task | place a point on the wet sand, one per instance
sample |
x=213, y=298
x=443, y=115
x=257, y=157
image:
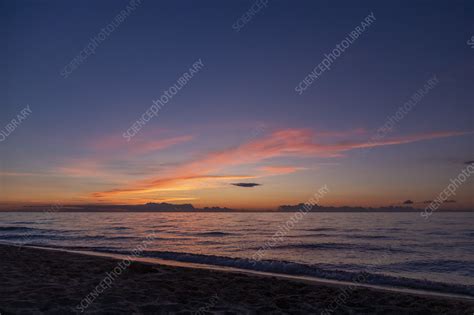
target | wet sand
x=35, y=281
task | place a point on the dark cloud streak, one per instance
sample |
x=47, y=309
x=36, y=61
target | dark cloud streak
x=247, y=185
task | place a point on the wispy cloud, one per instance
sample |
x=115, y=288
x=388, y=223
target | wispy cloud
x=138, y=146
x=110, y=155
x=184, y=183
x=279, y=170
x=286, y=142
x=81, y=167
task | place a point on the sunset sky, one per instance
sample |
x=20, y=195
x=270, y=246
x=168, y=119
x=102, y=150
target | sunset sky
x=238, y=119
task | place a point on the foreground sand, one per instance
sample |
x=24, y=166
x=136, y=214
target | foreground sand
x=53, y=282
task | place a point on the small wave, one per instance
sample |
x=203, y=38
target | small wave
x=370, y=237
x=118, y=228
x=214, y=233
x=310, y=235
x=24, y=222
x=283, y=267
x=16, y=229
x=207, y=243
x=100, y=237
x=321, y=229
x=27, y=230
x=339, y=246
x=26, y=238
x=442, y=266
x=438, y=233
x=385, y=229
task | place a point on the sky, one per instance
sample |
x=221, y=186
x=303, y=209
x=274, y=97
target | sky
x=238, y=119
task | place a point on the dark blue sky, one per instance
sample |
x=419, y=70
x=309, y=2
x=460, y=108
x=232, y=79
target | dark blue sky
x=249, y=77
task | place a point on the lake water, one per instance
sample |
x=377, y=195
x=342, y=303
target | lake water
x=395, y=249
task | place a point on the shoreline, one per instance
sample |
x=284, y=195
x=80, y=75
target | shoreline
x=56, y=281
x=340, y=284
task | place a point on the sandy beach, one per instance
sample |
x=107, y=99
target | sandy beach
x=35, y=281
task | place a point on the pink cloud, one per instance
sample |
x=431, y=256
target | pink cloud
x=136, y=146
x=81, y=167
x=286, y=142
x=279, y=170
